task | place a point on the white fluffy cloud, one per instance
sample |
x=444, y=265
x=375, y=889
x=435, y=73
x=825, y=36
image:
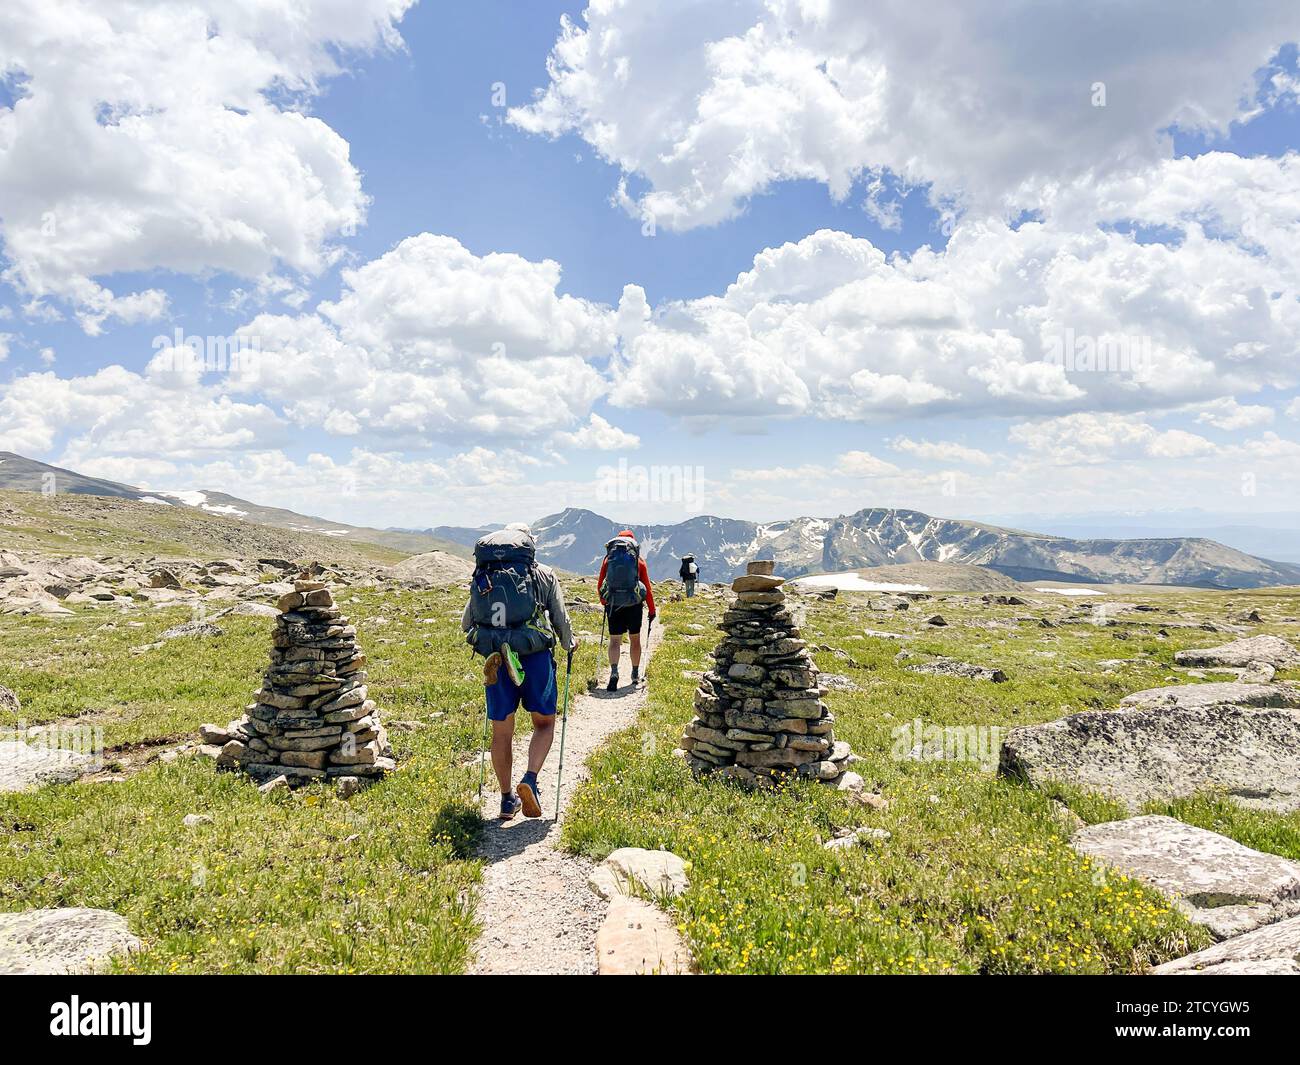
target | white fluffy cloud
x=426, y=344
x=1073, y=312
x=941, y=451
x=1228, y=414
x=1085, y=439
x=599, y=435
x=711, y=104
x=851, y=465
x=116, y=413
x=150, y=134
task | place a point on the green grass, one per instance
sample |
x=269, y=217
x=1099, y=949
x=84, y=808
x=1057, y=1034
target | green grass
x=69, y=524
x=292, y=882
x=977, y=877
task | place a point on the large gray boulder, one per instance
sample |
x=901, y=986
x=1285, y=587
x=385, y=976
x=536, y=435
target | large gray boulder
x=1168, y=747
x=1216, y=693
x=24, y=766
x=433, y=569
x=661, y=873
x=1268, y=951
x=1214, y=880
x=55, y=942
x=1241, y=653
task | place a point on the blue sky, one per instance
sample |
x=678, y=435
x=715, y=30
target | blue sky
x=853, y=369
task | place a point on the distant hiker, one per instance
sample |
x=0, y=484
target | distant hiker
x=689, y=574
x=514, y=613
x=624, y=585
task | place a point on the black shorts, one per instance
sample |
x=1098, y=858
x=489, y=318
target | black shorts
x=626, y=619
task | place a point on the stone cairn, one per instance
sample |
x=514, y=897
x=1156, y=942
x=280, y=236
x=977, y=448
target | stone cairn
x=759, y=711
x=312, y=718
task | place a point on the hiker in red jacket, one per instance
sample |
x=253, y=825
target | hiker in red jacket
x=624, y=586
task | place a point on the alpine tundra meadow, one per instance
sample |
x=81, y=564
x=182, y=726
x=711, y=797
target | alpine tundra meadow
x=681, y=488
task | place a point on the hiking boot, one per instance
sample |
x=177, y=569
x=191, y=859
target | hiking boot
x=613, y=680
x=531, y=795
x=509, y=806
x=491, y=665
x=636, y=671
x=514, y=668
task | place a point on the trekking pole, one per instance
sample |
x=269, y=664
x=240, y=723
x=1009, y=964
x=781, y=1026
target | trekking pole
x=650, y=624
x=564, y=725
x=482, y=753
x=604, y=616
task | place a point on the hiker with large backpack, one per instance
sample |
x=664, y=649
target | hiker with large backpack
x=513, y=618
x=626, y=595
x=689, y=573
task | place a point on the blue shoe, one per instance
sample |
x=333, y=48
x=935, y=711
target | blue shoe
x=531, y=795
x=509, y=807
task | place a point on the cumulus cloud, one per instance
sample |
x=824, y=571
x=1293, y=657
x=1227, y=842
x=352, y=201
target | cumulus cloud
x=1086, y=439
x=1071, y=312
x=863, y=464
x=599, y=435
x=115, y=412
x=428, y=343
x=173, y=136
x=941, y=451
x=711, y=104
x=850, y=465
x=1228, y=414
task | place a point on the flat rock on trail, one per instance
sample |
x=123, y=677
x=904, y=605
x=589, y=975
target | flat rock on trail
x=534, y=906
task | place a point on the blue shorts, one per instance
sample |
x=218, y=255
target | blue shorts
x=537, y=693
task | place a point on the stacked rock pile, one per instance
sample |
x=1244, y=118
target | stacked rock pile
x=759, y=712
x=312, y=718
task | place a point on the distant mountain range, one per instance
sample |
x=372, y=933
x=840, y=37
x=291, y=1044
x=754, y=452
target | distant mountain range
x=27, y=475
x=575, y=540
x=1268, y=534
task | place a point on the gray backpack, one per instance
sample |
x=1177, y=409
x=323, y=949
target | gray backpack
x=505, y=596
x=623, y=585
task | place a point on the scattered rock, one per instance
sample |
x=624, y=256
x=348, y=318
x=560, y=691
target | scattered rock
x=164, y=578
x=24, y=766
x=1270, y=950
x=1216, y=693
x=346, y=787
x=937, y=620
x=255, y=610
x=280, y=783
x=636, y=939
x=661, y=873
x=215, y=734
x=194, y=820
x=950, y=667
x=1270, y=649
x=879, y=635
x=1216, y=881
x=837, y=682
x=1257, y=673
x=9, y=703
x=192, y=628
x=60, y=941
x=851, y=838
x=433, y=569
x=1169, y=743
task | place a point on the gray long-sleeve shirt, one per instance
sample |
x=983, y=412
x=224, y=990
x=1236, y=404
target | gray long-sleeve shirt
x=552, y=606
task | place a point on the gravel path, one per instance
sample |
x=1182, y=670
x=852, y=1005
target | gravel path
x=536, y=911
